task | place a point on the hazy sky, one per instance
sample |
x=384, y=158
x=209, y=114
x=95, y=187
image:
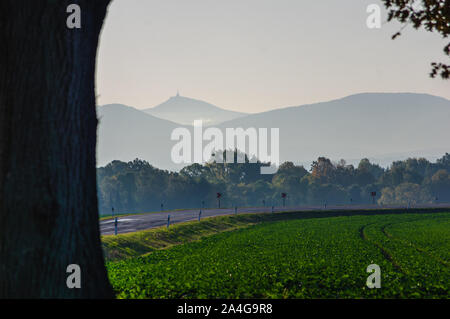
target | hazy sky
x=256, y=55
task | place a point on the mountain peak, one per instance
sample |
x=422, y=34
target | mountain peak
x=178, y=98
x=185, y=111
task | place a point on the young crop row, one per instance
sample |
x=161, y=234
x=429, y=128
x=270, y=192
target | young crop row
x=309, y=258
x=430, y=235
x=415, y=254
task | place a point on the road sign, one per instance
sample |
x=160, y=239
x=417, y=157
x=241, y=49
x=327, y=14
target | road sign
x=373, y=194
x=219, y=195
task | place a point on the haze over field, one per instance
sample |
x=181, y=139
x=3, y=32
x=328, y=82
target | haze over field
x=381, y=126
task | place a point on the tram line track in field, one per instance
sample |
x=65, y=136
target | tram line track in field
x=408, y=243
x=384, y=252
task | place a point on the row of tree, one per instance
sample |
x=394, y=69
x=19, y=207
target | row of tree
x=137, y=186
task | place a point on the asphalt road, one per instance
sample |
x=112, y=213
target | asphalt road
x=132, y=223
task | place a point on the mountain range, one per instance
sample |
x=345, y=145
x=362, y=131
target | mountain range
x=381, y=126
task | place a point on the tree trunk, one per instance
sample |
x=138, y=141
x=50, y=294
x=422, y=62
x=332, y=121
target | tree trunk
x=48, y=123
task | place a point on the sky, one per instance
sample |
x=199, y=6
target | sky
x=257, y=55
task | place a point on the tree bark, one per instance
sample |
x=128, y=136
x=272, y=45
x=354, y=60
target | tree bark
x=48, y=123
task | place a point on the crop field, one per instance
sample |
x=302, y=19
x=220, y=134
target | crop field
x=304, y=258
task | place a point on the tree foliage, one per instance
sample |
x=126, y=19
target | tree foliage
x=432, y=15
x=139, y=187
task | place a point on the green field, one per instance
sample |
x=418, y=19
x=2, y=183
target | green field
x=300, y=258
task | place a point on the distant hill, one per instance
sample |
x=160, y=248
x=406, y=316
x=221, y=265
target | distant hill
x=183, y=110
x=374, y=125
x=380, y=126
x=126, y=133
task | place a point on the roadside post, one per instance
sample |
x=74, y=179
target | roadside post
x=218, y=195
x=235, y=210
x=283, y=196
x=273, y=209
x=168, y=221
x=373, y=194
x=115, y=226
x=199, y=215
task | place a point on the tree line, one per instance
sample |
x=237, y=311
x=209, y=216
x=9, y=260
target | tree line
x=137, y=186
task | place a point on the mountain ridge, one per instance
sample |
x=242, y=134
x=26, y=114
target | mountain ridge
x=366, y=125
x=316, y=104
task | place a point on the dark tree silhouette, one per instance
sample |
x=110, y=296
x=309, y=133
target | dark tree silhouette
x=433, y=15
x=48, y=199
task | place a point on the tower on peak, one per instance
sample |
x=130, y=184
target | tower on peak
x=178, y=93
